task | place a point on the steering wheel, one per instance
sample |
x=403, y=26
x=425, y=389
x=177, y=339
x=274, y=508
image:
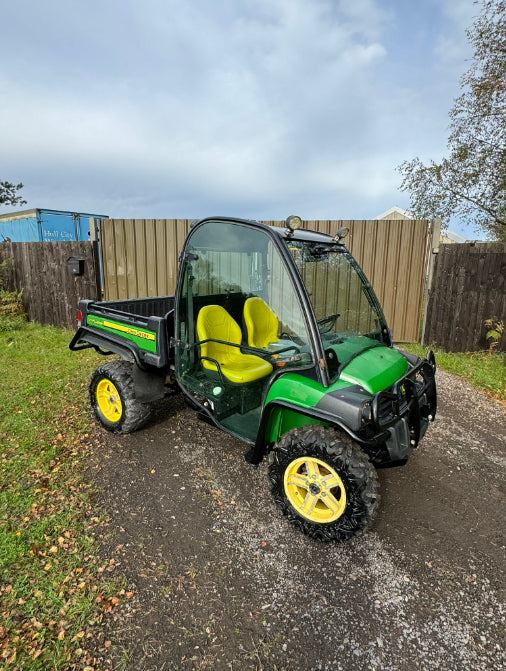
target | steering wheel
x=330, y=320
x=290, y=348
x=287, y=336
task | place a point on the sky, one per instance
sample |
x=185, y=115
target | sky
x=248, y=108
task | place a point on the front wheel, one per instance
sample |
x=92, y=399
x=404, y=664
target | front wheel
x=112, y=398
x=324, y=483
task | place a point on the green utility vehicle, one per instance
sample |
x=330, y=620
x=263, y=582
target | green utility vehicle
x=275, y=336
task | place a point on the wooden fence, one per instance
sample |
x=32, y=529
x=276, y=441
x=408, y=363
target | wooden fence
x=468, y=287
x=140, y=258
x=50, y=291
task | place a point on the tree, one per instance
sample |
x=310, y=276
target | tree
x=8, y=194
x=471, y=183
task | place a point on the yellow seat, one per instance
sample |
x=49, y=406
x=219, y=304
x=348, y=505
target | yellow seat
x=214, y=323
x=261, y=323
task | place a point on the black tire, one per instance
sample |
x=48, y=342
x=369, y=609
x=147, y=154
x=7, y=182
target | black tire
x=112, y=398
x=343, y=475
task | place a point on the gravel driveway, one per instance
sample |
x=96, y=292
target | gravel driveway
x=222, y=581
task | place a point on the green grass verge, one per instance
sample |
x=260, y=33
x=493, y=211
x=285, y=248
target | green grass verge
x=54, y=589
x=486, y=372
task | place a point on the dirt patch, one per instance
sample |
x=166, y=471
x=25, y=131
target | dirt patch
x=222, y=581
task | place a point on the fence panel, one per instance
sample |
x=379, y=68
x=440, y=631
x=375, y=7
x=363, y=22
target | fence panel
x=394, y=255
x=468, y=287
x=140, y=258
x=50, y=292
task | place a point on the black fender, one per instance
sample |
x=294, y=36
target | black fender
x=260, y=449
x=149, y=383
x=85, y=338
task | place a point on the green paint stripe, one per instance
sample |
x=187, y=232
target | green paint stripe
x=143, y=338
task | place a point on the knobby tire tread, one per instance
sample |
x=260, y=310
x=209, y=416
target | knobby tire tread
x=348, y=459
x=135, y=413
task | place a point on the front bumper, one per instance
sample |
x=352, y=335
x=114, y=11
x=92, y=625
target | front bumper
x=406, y=408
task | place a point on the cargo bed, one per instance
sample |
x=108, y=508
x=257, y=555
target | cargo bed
x=138, y=329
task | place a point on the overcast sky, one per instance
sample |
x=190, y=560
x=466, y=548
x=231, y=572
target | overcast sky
x=253, y=108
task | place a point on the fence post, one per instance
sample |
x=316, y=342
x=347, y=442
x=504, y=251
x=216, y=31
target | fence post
x=93, y=229
x=434, y=249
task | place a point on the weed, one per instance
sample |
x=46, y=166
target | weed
x=495, y=330
x=12, y=312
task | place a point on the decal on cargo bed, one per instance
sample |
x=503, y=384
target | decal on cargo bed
x=143, y=338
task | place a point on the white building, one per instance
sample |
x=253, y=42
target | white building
x=398, y=213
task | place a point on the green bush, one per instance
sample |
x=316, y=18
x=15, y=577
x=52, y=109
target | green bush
x=12, y=312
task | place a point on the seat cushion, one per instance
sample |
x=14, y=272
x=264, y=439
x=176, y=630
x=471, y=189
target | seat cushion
x=214, y=322
x=261, y=323
x=245, y=368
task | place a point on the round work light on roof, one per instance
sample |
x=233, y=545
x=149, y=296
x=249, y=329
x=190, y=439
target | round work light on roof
x=293, y=223
x=341, y=233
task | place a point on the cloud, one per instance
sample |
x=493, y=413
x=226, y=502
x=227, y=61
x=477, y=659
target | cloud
x=452, y=46
x=176, y=109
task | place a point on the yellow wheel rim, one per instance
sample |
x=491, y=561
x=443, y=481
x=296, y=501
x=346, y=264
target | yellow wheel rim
x=315, y=490
x=109, y=401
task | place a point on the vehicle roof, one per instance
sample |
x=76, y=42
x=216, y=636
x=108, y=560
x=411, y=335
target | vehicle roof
x=301, y=234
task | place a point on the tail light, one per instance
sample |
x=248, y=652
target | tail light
x=79, y=317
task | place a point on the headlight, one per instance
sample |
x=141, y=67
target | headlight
x=366, y=413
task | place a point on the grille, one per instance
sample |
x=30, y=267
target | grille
x=386, y=410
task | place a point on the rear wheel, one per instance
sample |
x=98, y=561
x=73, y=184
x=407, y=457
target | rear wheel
x=324, y=483
x=112, y=397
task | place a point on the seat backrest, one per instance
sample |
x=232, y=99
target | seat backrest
x=261, y=323
x=215, y=322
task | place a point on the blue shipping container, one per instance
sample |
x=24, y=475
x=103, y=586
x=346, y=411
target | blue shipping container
x=40, y=225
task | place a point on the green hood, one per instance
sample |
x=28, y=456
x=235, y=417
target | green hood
x=374, y=369
x=371, y=366
x=366, y=365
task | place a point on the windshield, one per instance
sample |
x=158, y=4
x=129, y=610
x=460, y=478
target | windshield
x=343, y=302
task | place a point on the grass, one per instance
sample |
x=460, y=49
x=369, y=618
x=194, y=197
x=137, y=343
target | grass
x=486, y=372
x=53, y=589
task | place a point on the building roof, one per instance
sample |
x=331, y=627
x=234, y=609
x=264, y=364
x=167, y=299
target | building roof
x=455, y=237
x=398, y=213
x=35, y=211
x=395, y=211
x=20, y=214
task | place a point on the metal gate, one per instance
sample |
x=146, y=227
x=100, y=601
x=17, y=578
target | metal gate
x=140, y=257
